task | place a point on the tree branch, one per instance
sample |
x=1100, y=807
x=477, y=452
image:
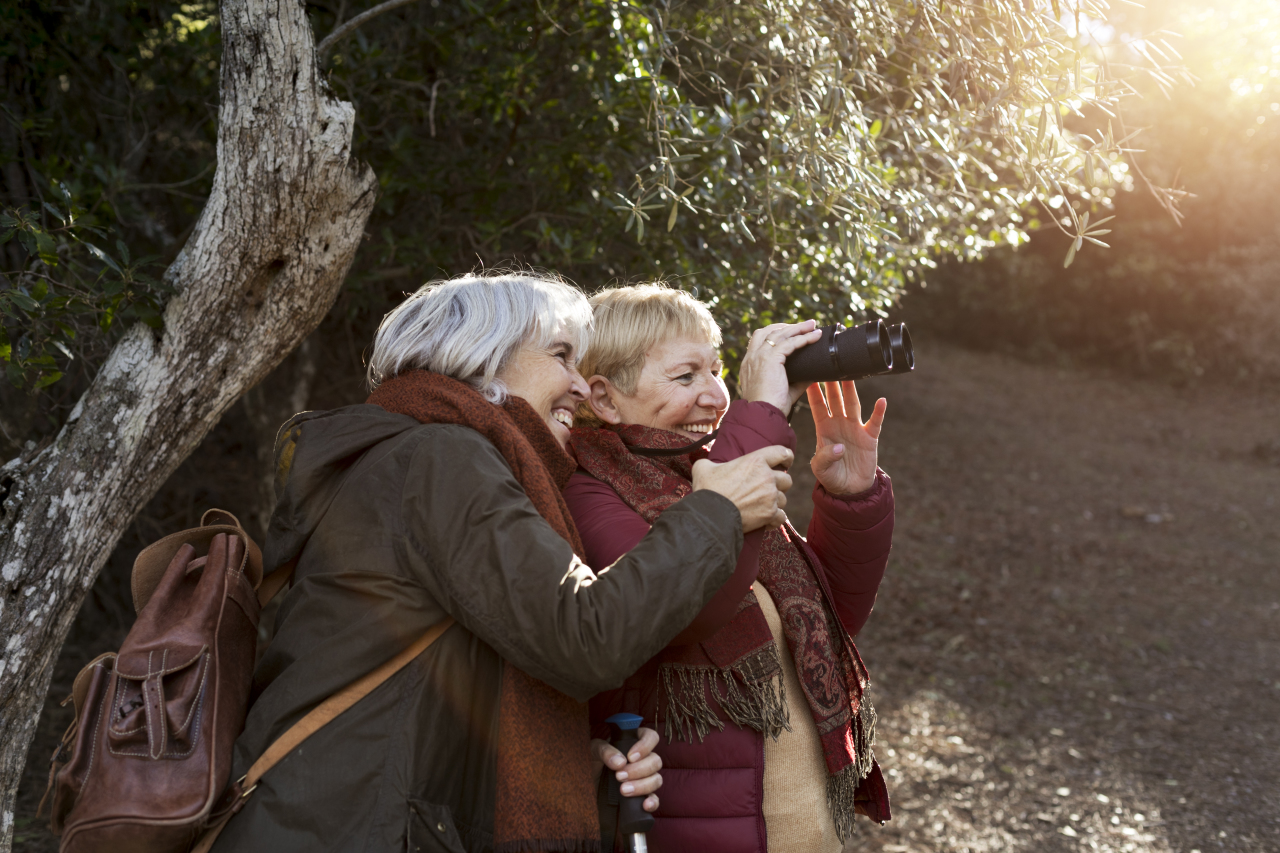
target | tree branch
x=344, y=30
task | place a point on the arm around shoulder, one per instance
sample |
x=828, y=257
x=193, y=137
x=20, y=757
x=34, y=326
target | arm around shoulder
x=476, y=542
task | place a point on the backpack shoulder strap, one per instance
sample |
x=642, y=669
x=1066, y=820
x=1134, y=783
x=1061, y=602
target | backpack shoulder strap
x=315, y=720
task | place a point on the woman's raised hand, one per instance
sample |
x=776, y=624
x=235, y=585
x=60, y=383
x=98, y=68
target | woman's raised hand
x=845, y=462
x=638, y=772
x=763, y=377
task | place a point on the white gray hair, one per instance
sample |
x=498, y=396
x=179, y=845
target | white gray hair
x=471, y=326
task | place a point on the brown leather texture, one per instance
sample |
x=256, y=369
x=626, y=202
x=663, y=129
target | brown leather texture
x=150, y=749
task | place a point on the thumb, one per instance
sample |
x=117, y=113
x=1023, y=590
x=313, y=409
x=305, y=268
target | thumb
x=827, y=456
x=775, y=456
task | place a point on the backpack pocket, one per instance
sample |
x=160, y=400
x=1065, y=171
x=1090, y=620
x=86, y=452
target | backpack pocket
x=156, y=707
x=75, y=756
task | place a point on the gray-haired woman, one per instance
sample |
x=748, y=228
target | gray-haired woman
x=441, y=497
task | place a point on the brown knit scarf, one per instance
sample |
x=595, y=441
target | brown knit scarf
x=546, y=794
x=738, y=671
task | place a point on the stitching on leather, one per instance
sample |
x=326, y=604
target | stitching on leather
x=117, y=704
x=198, y=707
x=145, y=715
x=203, y=659
x=204, y=677
x=93, y=748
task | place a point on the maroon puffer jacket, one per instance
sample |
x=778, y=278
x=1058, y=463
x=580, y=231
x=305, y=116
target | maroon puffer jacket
x=713, y=790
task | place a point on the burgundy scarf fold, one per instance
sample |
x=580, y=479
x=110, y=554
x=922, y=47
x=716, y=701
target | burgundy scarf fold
x=546, y=791
x=737, y=672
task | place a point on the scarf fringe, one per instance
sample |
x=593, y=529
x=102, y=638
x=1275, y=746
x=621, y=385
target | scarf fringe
x=842, y=787
x=750, y=691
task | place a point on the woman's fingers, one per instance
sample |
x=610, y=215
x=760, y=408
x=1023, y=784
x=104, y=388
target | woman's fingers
x=789, y=343
x=639, y=771
x=876, y=421
x=647, y=743
x=818, y=405
x=835, y=400
x=852, y=404
x=603, y=752
x=651, y=803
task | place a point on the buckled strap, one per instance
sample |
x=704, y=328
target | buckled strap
x=153, y=708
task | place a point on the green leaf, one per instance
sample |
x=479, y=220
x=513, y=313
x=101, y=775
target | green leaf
x=874, y=130
x=24, y=302
x=671, y=219
x=47, y=248
x=102, y=256
x=48, y=379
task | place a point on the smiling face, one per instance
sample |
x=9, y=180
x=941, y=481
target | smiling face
x=679, y=389
x=548, y=380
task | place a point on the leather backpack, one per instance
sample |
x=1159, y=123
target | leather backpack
x=144, y=766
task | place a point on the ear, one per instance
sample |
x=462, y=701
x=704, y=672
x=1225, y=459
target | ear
x=601, y=400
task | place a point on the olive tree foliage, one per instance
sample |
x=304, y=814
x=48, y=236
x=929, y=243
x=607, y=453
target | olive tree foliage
x=1184, y=301
x=785, y=159
x=854, y=143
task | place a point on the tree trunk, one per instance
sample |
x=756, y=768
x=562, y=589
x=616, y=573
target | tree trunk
x=261, y=269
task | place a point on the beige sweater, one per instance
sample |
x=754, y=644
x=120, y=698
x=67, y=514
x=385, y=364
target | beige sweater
x=796, y=816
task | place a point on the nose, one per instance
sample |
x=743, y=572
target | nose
x=715, y=395
x=578, y=388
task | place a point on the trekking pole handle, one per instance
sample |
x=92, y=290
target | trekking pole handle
x=633, y=820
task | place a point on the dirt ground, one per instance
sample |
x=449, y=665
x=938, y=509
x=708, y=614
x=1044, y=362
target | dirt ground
x=1077, y=645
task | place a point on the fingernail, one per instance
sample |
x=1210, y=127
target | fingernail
x=617, y=761
x=622, y=775
x=628, y=788
x=635, y=756
x=838, y=449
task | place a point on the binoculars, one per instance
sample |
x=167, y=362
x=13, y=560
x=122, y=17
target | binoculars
x=855, y=352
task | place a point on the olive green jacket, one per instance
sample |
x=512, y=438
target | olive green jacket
x=397, y=524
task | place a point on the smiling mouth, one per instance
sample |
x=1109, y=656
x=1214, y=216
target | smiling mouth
x=563, y=416
x=703, y=429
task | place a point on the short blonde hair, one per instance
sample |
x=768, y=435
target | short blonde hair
x=630, y=321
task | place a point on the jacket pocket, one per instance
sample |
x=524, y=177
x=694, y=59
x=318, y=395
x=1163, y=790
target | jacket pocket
x=430, y=829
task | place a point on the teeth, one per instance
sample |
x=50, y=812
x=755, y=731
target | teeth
x=563, y=417
x=696, y=428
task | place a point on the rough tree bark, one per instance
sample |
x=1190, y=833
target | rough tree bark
x=261, y=269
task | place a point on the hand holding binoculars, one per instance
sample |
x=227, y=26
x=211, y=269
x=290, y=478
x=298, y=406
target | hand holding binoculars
x=856, y=352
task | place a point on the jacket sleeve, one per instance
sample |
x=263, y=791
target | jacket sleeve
x=852, y=536
x=609, y=529
x=475, y=541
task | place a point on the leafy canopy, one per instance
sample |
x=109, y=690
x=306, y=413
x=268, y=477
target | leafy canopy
x=783, y=158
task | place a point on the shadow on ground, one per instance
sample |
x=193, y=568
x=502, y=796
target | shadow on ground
x=1077, y=646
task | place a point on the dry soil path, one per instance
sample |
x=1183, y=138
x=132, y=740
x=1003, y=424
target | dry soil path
x=1077, y=646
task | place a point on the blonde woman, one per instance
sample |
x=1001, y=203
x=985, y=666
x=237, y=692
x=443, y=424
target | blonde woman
x=767, y=729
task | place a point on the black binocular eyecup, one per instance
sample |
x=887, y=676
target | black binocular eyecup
x=856, y=352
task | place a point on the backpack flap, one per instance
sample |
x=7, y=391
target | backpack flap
x=154, y=560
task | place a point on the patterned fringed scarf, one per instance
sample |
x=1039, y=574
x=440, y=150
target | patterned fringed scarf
x=738, y=670
x=546, y=792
